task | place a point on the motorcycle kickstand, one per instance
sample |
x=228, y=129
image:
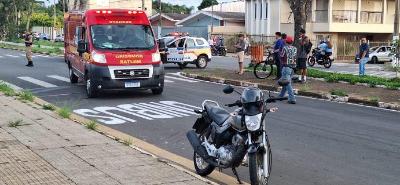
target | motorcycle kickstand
x=237, y=175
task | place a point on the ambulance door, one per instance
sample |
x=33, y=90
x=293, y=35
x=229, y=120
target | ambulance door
x=190, y=50
x=176, y=51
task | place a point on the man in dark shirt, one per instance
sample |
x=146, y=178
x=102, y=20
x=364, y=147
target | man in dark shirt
x=364, y=56
x=279, y=44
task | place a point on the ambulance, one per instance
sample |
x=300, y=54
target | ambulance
x=184, y=50
x=112, y=49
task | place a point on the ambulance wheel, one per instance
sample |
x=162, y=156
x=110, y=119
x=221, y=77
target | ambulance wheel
x=91, y=91
x=182, y=65
x=201, y=62
x=157, y=91
x=72, y=77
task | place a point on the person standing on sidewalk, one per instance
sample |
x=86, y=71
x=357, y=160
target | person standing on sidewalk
x=288, y=61
x=279, y=44
x=28, y=50
x=304, y=50
x=364, y=55
x=240, y=47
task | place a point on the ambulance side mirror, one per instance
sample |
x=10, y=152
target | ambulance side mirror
x=82, y=46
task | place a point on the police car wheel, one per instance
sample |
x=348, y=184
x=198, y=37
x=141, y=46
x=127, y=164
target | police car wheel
x=201, y=62
x=157, y=91
x=90, y=88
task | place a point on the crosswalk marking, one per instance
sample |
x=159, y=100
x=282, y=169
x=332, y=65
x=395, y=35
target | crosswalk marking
x=182, y=79
x=11, y=85
x=37, y=82
x=58, y=78
x=1, y=56
x=168, y=81
x=12, y=56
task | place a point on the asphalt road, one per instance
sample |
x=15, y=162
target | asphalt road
x=313, y=142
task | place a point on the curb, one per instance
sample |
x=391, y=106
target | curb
x=173, y=160
x=333, y=98
x=44, y=53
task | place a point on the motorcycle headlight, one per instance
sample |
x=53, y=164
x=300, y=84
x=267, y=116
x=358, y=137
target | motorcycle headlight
x=253, y=123
x=99, y=58
x=156, y=57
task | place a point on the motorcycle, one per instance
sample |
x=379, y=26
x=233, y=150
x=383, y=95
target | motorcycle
x=218, y=51
x=325, y=60
x=227, y=140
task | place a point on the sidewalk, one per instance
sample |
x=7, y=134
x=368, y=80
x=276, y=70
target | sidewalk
x=45, y=149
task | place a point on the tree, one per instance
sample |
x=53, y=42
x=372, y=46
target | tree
x=301, y=12
x=207, y=3
x=170, y=8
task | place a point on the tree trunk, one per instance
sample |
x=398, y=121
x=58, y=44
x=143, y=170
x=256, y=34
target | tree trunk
x=300, y=9
x=29, y=16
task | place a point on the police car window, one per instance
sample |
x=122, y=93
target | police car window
x=199, y=42
x=382, y=49
x=190, y=43
x=181, y=43
x=174, y=44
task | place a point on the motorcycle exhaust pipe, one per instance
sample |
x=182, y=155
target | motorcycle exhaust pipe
x=196, y=144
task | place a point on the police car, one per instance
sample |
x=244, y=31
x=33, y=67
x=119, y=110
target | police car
x=184, y=50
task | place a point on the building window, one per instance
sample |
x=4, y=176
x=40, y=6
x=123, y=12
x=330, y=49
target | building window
x=266, y=10
x=261, y=10
x=221, y=23
x=255, y=11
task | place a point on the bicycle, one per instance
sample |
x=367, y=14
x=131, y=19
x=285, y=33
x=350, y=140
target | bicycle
x=265, y=68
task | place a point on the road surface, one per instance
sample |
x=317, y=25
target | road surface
x=313, y=142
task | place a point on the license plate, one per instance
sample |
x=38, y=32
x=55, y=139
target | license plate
x=132, y=84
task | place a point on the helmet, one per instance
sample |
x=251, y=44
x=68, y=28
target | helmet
x=253, y=101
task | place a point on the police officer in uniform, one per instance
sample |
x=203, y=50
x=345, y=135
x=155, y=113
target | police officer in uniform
x=28, y=45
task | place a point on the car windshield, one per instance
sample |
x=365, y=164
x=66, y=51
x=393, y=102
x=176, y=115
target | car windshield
x=122, y=37
x=373, y=49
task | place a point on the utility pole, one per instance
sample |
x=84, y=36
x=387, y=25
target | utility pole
x=396, y=35
x=54, y=19
x=212, y=19
x=63, y=6
x=159, y=19
x=143, y=5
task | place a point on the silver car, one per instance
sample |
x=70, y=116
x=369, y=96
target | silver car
x=380, y=54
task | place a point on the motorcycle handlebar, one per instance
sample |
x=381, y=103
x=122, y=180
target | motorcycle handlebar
x=237, y=103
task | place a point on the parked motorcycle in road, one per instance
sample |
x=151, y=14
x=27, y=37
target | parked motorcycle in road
x=325, y=60
x=222, y=140
x=218, y=51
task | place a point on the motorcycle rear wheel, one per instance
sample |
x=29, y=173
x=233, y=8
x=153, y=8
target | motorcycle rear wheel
x=328, y=63
x=311, y=61
x=263, y=70
x=202, y=167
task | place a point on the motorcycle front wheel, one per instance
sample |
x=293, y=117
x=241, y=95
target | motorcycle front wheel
x=223, y=52
x=256, y=163
x=311, y=61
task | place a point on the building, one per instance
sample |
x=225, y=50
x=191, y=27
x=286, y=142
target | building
x=167, y=19
x=233, y=6
x=340, y=21
x=215, y=22
x=145, y=5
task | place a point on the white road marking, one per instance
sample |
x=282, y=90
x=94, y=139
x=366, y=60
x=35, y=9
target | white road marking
x=168, y=81
x=37, y=82
x=59, y=78
x=13, y=56
x=1, y=56
x=182, y=79
x=12, y=86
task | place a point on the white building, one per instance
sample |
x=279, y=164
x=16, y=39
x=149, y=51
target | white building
x=234, y=6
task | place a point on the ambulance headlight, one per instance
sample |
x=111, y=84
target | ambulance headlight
x=99, y=58
x=156, y=57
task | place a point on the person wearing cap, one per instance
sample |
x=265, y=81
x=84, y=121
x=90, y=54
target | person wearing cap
x=288, y=62
x=28, y=50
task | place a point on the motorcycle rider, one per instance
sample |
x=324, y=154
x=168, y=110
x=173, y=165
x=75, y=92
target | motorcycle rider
x=324, y=50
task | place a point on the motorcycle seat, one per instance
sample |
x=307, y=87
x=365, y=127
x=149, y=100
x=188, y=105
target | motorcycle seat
x=217, y=114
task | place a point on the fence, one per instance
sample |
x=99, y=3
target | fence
x=346, y=50
x=231, y=39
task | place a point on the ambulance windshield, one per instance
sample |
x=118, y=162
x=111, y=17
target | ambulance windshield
x=118, y=37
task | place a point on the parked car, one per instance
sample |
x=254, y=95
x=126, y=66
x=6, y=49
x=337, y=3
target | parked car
x=378, y=54
x=43, y=36
x=59, y=38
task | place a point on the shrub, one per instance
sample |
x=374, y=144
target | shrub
x=91, y=125
x=339, y=92
x=26, y=96
x=49, y=107
x=64, y=112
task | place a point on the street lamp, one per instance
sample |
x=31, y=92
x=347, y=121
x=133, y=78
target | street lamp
x=159, y=19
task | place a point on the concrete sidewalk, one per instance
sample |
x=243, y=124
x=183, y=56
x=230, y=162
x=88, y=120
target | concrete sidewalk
x=45, y=149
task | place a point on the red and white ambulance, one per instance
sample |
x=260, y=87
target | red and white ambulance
x=112, y=49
